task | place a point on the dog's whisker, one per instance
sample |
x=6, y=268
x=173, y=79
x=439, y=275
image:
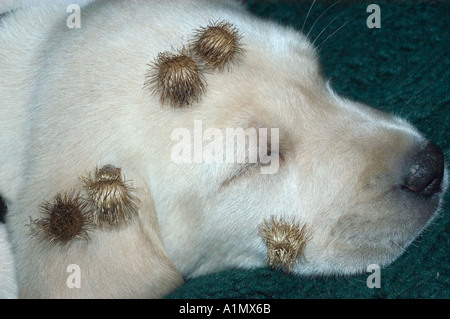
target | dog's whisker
x=413, y=96
x=319, y=47
x=441, y=138
x=420, y=68
x=399, y=246
x=336, y=237
x=323, y=30
x=353, y=281
x=318, y=18
x=307, y=15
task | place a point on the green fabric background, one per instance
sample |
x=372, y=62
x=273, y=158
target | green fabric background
x=403, y=68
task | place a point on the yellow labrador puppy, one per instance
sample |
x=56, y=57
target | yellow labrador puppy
x=146, y=142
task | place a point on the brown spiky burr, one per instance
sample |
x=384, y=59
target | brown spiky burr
x=176, y=78
x=285, y=241
x=218, y=44
x=111, y=196
x=63, y=220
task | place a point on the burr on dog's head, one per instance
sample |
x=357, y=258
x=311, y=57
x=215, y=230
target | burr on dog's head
x=360, y=184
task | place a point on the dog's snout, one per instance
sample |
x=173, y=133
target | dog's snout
x=425, y=175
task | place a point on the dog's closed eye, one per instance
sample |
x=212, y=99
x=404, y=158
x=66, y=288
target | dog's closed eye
x=240, y=171
x=264, y=160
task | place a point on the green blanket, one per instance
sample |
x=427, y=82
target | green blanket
x=402, y=67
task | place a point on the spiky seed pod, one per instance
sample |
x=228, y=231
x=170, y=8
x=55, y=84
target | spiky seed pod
x=285, y=241
x=176, y=78
x=218, y=44
x=112, y=198
x=64, y=219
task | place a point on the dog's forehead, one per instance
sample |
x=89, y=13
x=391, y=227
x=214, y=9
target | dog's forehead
x=287, y=54
x=271, y=76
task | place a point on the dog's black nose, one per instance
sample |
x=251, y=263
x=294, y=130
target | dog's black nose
x=426, y=172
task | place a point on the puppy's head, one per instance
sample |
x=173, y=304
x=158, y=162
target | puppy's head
x=356, y=184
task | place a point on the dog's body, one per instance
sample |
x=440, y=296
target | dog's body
x=73, y=100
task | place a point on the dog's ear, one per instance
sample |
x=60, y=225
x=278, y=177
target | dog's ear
x=107, y=227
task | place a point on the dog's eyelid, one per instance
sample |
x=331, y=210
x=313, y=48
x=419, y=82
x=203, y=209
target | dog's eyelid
x=249, y=166
x=239, y=171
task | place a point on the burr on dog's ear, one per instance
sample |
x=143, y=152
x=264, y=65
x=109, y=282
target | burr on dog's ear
x=63, y=220
x=176, y=78
x=111, y=196
x=218, y=45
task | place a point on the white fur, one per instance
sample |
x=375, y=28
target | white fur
x=8, y=285
x=73, y=99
